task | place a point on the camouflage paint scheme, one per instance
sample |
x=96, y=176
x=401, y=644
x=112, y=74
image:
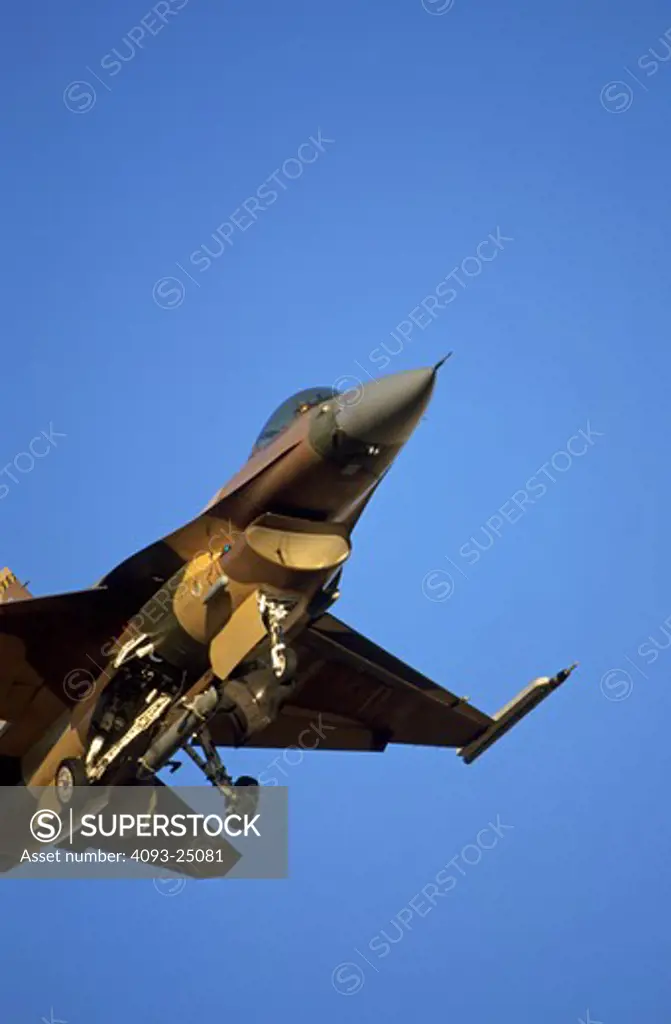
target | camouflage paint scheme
x=193, y=595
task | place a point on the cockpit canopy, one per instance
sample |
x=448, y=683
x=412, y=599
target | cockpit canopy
x=289, y=410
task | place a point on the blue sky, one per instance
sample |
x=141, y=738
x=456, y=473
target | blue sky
x=546, y=127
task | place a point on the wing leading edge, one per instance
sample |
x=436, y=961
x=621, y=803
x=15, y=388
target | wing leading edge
x=357, y=696
x=354, y=695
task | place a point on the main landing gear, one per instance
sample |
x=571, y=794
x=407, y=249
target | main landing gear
x=70, y=774
x=142, y=722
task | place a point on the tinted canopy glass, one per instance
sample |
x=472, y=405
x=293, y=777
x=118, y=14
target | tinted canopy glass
x=289, y=410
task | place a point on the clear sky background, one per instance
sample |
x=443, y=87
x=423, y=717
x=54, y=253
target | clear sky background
x=446, y=128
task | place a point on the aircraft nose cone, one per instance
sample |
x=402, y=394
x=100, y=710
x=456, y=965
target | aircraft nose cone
x=387, y=411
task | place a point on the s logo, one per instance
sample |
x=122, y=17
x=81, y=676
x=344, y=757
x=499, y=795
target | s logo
x=46, y=826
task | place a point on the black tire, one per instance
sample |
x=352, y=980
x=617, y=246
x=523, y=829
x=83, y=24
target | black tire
x=70, y=773
x=246, y=803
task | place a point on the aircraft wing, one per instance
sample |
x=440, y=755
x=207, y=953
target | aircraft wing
x=356, y=696
x=50, y=649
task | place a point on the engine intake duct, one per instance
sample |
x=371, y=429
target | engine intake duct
x=277, y=550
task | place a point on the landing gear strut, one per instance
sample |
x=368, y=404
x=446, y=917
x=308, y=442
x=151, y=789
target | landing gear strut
x=215, y=772
x=143, y=723
x=283, y=660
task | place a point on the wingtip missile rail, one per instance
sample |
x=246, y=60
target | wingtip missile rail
x=513, y=712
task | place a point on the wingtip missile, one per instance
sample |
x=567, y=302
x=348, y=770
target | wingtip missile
x=562, y=676
x=513, y=712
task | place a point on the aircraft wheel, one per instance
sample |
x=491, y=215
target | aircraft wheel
x=247, y=802
x=70, y=773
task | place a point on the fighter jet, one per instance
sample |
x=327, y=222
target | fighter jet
x=220, y=634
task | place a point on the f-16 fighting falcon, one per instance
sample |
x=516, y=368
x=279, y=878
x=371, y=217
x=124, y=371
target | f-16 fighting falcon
x=219, y=635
